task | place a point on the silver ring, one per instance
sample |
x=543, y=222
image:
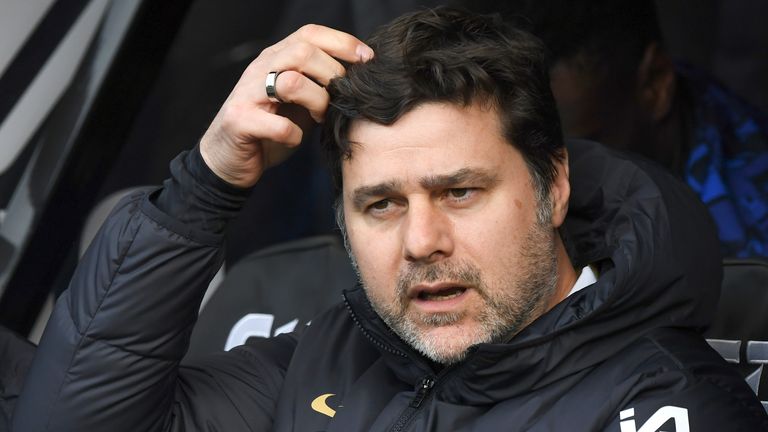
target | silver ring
x=271, y=89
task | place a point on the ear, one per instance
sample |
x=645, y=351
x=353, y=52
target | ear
x=560, y=192
x=656, y=81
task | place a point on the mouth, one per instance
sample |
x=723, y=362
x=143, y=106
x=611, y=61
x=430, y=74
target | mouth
x=436, y=298
x=441, y=295
x=437, y=292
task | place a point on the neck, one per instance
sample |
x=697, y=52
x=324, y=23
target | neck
x=566, y=275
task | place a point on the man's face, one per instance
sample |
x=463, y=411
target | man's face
x=441, y=216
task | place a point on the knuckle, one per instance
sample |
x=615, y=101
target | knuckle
x=302, y=52
x=325, y=99
x=268, y=51
x=265, y=53
x=340, y=71
x=309, y=31
x=290, y=82
x=282, y=131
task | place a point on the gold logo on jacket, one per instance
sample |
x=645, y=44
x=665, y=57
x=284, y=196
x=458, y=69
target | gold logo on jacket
x=320, y=404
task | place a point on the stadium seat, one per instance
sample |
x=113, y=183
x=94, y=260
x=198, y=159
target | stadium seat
x=272, y=291
x=740, y=330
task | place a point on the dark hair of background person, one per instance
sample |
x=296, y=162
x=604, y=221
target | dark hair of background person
x=615, y=82
x=610, y=36
x=447, y=55
x=601, y=77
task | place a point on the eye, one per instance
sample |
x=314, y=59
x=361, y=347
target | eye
x=460, y=194
x=380, y=205
x=381, y=208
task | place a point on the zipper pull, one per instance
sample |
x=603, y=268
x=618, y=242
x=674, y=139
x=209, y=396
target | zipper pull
x=426, y=384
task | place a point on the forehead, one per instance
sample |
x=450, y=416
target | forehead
x=431, y=140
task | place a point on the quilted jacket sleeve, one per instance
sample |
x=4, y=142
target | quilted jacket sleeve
x=110, y=355
x=688, y=385
x=701, y=406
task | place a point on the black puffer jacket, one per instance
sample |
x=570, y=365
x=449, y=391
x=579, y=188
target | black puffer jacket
x=621, y=355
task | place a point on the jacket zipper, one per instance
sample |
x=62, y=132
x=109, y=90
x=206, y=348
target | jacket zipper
x=422, y=393
x=369, y=336
x=426, y=384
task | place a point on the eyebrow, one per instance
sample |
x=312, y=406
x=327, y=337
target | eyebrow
x=363, y=194
x=470, y=176
x=473, y=176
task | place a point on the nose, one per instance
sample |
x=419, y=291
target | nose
x=427, y=234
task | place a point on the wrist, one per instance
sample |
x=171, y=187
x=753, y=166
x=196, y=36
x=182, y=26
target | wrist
x=217, y=165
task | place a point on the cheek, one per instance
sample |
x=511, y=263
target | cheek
x=377, y=256
x=488, y=242
x=494, y=240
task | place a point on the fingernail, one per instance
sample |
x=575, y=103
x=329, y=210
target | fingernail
x=364, y=53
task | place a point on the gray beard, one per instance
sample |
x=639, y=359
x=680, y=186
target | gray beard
x=511, y=306
x=516, y=302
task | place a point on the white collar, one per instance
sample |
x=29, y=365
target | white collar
x=586, y=278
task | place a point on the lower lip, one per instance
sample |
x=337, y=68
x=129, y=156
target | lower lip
x=447, y=305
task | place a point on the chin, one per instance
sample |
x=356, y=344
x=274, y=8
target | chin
x=447, y=344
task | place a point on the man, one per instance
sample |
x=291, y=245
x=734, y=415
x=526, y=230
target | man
x=454, y=184
x=615, y=82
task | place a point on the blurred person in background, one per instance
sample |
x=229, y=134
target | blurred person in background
x=615, y=83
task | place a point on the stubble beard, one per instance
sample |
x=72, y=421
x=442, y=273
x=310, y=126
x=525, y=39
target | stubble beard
x=507, y=305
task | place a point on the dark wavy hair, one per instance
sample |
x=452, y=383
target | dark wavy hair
x=450, y=55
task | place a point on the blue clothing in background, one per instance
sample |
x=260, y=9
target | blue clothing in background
x=728, y=166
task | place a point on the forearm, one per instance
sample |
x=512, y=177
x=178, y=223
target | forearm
x=111, y=350
x=109, y=357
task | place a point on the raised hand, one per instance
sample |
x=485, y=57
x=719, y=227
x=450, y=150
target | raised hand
x=250, y=132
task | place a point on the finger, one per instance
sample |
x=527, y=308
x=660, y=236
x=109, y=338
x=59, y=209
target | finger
x=296, y=88
x=309, y=60
x=282, y=130
x=288, y=137
x=258, y=125
x=338, y=44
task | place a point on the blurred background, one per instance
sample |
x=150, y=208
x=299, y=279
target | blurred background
x=96, y=97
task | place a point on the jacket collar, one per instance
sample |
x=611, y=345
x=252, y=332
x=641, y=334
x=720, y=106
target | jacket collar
x=659, y=266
